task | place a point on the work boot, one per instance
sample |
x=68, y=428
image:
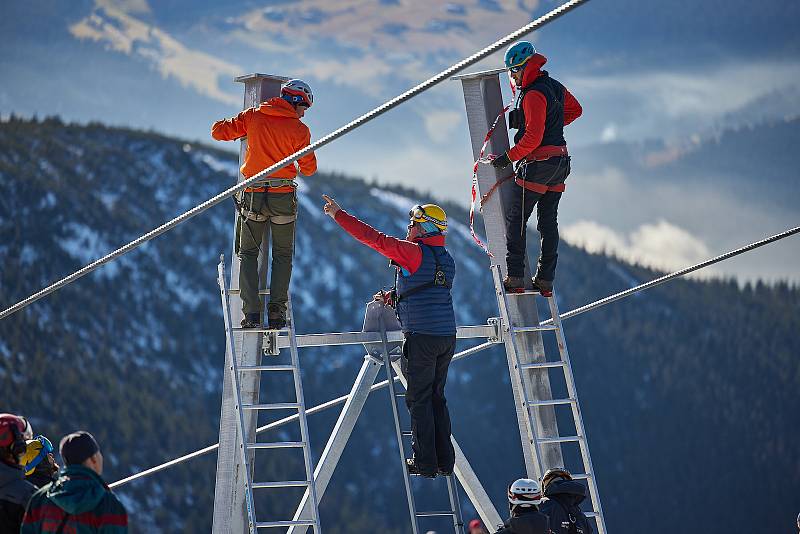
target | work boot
x=543, y=287
x=413, y=469
x=514, y=284
x=251, y=320
x=276, y=317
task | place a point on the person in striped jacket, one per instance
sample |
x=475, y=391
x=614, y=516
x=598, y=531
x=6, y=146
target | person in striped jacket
x=79, y=501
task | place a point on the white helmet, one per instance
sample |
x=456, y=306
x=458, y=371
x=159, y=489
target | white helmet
x=524, y=492
x=299, y=91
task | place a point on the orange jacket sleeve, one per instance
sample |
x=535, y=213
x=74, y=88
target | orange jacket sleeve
x=308, y=163
x=534, y=105
x=231, y=129
x=572, y=108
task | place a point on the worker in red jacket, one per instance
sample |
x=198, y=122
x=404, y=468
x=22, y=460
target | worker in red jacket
x=425, y=273
x=544, y=107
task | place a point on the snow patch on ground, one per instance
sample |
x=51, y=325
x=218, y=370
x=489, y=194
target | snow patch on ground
x=399, y=202
x=231, y=168
x=86, y=245
x=47, y=201
x=109, y=200
x=28, y=255
x=623, y=274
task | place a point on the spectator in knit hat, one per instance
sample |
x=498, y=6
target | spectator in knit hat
x=79, y=500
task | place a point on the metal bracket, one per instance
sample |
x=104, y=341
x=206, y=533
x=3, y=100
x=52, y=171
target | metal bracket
x=497, y=324
x=270, y=345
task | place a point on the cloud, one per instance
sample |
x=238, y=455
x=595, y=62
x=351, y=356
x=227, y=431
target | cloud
x=661, y=245
x=112, y=25
x=670, y=102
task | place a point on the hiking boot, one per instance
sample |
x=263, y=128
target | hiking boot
x=514, y=284
x=276, y=317
x=414, y=469
x=251, y=320
x=543, y=287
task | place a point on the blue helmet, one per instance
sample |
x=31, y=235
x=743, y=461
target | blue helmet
x=519, y=53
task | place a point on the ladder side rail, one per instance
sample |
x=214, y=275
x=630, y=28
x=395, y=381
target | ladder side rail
x=226, y=312
x=517, y=376
x=412, y=509
x=455, y=504
x=577, y=416
x=304, y=434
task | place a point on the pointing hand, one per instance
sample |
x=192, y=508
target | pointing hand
x=331, y=208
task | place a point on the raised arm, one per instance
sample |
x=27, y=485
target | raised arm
x=231, y=129
x=406, y=254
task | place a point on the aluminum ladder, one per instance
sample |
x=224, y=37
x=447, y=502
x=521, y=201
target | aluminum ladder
x=246, y=444
x=521, y=378
x=392, y=369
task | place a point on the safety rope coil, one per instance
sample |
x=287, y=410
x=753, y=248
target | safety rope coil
x=380, y=110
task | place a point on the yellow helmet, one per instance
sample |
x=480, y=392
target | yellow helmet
x=429, y=213
x=35, y=451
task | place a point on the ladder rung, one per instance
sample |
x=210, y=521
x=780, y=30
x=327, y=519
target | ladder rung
x=406, y=433
x=523, y=329
x=238, y=291
x=274, y=406
x=542, y=365
x=581, y=476
x=266, y=367
x=277, y=445
x=277, y=524
x=400, y=395
x=591, y=514
x=523, y=293
x=560, y=439
x=553, y=402
x=259, y=330
x=282, y=484
x=434, y=514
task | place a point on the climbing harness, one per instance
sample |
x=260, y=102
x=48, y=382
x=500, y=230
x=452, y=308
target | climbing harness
x=439, y=279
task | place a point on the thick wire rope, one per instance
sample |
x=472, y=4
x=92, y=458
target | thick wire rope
x=363, y=119
x=566, y=315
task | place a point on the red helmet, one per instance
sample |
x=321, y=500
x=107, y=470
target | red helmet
x=299, y=91
x=12, y=429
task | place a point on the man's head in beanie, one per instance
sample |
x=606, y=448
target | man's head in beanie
x=80, y=448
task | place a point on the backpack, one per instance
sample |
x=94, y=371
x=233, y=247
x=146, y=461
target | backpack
x=578, y=522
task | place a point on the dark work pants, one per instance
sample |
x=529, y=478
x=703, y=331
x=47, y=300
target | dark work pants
x=425, y=362
x=550, y=172
x=280, y=210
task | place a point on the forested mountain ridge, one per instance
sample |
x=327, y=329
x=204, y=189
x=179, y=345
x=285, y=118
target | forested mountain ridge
x=689, y=391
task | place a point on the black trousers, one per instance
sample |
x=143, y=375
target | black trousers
x=425, y=362
x=550, y=172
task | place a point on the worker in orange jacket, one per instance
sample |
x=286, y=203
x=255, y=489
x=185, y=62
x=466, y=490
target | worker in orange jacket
x=273, y=130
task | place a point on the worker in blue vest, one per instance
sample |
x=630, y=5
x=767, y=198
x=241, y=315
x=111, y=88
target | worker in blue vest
x=425, y=273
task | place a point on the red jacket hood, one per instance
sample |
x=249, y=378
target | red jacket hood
x=278, y=107
x=533, y=69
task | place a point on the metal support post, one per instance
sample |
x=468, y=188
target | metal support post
x=484, y=102
x=230, y=514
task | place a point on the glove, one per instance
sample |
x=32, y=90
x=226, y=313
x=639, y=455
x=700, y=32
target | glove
x=501, y=161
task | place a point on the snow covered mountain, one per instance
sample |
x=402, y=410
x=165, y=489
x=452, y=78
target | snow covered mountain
x=688, y=391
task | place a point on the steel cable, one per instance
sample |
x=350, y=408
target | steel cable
x=363, y=119
x=469, y=352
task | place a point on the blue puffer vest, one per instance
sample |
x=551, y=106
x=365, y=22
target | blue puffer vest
x=430, y=310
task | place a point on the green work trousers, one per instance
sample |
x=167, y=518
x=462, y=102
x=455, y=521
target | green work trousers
x=279, y=211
